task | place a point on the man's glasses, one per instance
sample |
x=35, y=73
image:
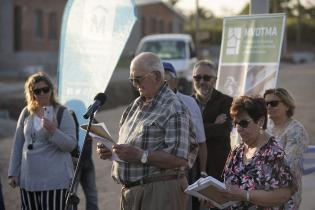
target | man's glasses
x=138, y=79
x=206, y=78
x=272, y=103
x=242, y=123
x=45, y=90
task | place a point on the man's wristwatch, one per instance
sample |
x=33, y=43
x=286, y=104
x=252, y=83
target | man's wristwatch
x=144, y=157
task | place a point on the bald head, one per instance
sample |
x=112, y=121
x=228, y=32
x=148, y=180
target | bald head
x=149, y=62
x=147, y=74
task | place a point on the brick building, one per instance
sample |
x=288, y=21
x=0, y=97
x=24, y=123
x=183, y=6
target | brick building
x=29, y=33
x=30, y=29
x=154, y=16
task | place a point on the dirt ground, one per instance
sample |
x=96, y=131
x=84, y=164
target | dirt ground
x=299, y=79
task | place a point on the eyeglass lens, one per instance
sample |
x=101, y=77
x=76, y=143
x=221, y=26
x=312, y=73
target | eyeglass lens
x=138, y=79
x=272, y=103
x=242, y=123
x=206, y=78
x=45, y=90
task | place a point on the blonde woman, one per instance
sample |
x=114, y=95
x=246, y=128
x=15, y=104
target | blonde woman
x=40, y=162
x=289, y=132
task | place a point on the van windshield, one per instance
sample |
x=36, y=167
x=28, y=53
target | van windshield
x=165, y=49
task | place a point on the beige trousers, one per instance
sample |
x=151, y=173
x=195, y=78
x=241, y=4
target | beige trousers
x=163, y=195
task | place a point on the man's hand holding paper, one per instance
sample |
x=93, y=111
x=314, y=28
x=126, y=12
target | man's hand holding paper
x=100, y=133
x=99, y=130
x=127, y=152
x=103, y=151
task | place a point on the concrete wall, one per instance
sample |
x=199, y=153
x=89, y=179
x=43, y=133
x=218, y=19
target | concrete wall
x=12, y=63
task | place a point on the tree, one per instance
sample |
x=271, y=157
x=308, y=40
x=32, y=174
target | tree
x=173, y=2
x=245, y=10
x=205, y=13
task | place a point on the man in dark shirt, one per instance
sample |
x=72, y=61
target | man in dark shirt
x=215, y=107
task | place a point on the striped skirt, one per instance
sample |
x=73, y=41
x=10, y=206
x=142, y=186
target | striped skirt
x=43, y=200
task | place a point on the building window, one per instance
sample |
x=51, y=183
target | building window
x=39, y=30
x=52, y=24
x=17, y=28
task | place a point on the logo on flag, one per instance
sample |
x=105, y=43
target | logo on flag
x=234, y=40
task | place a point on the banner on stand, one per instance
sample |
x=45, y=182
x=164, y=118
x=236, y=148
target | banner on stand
x=250, y=53
x=93, y=37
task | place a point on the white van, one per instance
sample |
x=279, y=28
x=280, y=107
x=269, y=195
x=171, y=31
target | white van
x=177, y=49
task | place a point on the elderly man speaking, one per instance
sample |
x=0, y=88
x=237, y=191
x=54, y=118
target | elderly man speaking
x=156, y=142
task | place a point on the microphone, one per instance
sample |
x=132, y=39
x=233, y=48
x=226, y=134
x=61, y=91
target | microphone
x=99, y=100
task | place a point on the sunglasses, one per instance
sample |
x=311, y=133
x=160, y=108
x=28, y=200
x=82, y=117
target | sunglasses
x=242, y=123
x=45, y=90
x=138, y=79
x=206, y=78
x=272, y=103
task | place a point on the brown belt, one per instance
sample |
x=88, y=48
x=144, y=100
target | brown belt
x=148, y=180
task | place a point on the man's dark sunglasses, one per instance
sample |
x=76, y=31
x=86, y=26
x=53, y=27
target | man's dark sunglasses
x=242, y=123
x=45, y=90
x=138, y=79
x=272, y=103
x=206, y=78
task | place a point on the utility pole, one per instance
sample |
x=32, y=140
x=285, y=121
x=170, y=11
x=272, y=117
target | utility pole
x=298, y=24
x=197, y=27
x=285, y=38
x=259, y=6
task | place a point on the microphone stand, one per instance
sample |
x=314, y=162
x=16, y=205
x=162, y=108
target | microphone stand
x=72, y=199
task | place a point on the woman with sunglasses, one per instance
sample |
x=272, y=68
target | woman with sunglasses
x=256, y=173
x=40, y=162
x=289, y=132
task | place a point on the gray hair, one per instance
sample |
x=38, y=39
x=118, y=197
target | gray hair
x=151, y=62
x=211, y=65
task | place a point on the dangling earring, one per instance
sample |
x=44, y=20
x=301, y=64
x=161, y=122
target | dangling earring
x=261, y=130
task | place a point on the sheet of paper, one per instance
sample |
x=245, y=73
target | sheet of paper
x=100, y=130
x=100, y=133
